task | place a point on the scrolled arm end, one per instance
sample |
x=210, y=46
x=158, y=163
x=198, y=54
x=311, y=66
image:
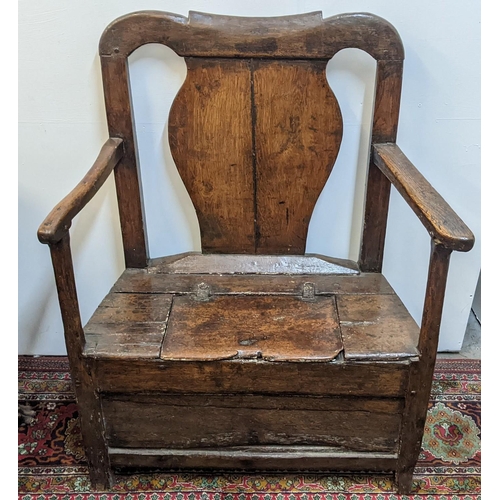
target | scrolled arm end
x=461, y=241
x=52, y=230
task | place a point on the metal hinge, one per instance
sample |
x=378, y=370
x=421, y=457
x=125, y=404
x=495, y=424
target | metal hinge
x=308, y=291
x=202, y=292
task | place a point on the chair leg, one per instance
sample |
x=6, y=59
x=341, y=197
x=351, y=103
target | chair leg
x=404, y=482
x=87, y=398
x=412, y=428
x=92, y=428
x=101, y=477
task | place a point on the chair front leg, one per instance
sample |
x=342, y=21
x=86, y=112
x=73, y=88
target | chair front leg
x=87, y=398
x=421, y=372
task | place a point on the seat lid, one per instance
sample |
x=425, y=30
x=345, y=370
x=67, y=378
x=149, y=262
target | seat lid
x=272, y=328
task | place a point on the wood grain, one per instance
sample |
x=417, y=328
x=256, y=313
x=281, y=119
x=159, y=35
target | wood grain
x=131, y=308
x=198, y=263
x=142, y=281
x=440, y=220
x=248, y=327
x=384, y=379
x=173, y=426
x=210, y=134
x=90, y=415
x=420, y=382
x=376, y=327
x=298, y=131
x=269, y=458
x=119, y=112
x=264, y=402
x=378, y=188
x=128, y=325
x=254, y=131
x=58, y=222
x=239, y=146
x=303, y=36
x=389, y=81
x=131, y=344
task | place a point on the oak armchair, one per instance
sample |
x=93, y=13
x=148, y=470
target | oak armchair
x=254, y=355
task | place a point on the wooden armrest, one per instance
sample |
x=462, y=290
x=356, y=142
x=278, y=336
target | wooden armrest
x=58, y=222
x=440, y=220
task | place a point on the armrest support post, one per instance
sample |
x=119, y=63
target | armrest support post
x=433, y=302
x=419, y=387
x=55, y=232
x=84, y=385
x=68, y=299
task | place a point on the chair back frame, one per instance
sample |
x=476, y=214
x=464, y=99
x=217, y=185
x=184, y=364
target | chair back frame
x=255, y=129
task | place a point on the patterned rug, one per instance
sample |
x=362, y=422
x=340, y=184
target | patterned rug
x=52, y=464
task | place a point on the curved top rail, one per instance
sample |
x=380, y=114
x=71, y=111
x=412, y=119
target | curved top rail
x=302, y=36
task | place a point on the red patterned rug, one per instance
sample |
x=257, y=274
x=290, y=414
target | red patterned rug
x=52, y=464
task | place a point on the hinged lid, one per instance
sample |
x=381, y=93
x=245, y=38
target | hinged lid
x=273, y=328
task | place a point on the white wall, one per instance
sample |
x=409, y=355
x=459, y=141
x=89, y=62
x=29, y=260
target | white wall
x=62, y=127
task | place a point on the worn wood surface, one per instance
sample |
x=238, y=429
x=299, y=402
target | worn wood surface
x=303, y=36
x=197, y=263
x=178, y=426
x=142, y=281
x=213, y=125
x=268, y=458
x=297, y=138
x=139, y=341
x=210, y=134
x=383, y=379
x=58, y=222
x=248, y=327
x=440, y=220
x=256, y=316
x=240, y=146
x=264, y=402
x=420, y=382
x=90, y=415
x=130, y=307
x=384, y=129
x=376, y=327
x=128, y=325
x=120, y=118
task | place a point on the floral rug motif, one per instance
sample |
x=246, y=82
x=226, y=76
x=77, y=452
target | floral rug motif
x=52, y=463
x=450, y=435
